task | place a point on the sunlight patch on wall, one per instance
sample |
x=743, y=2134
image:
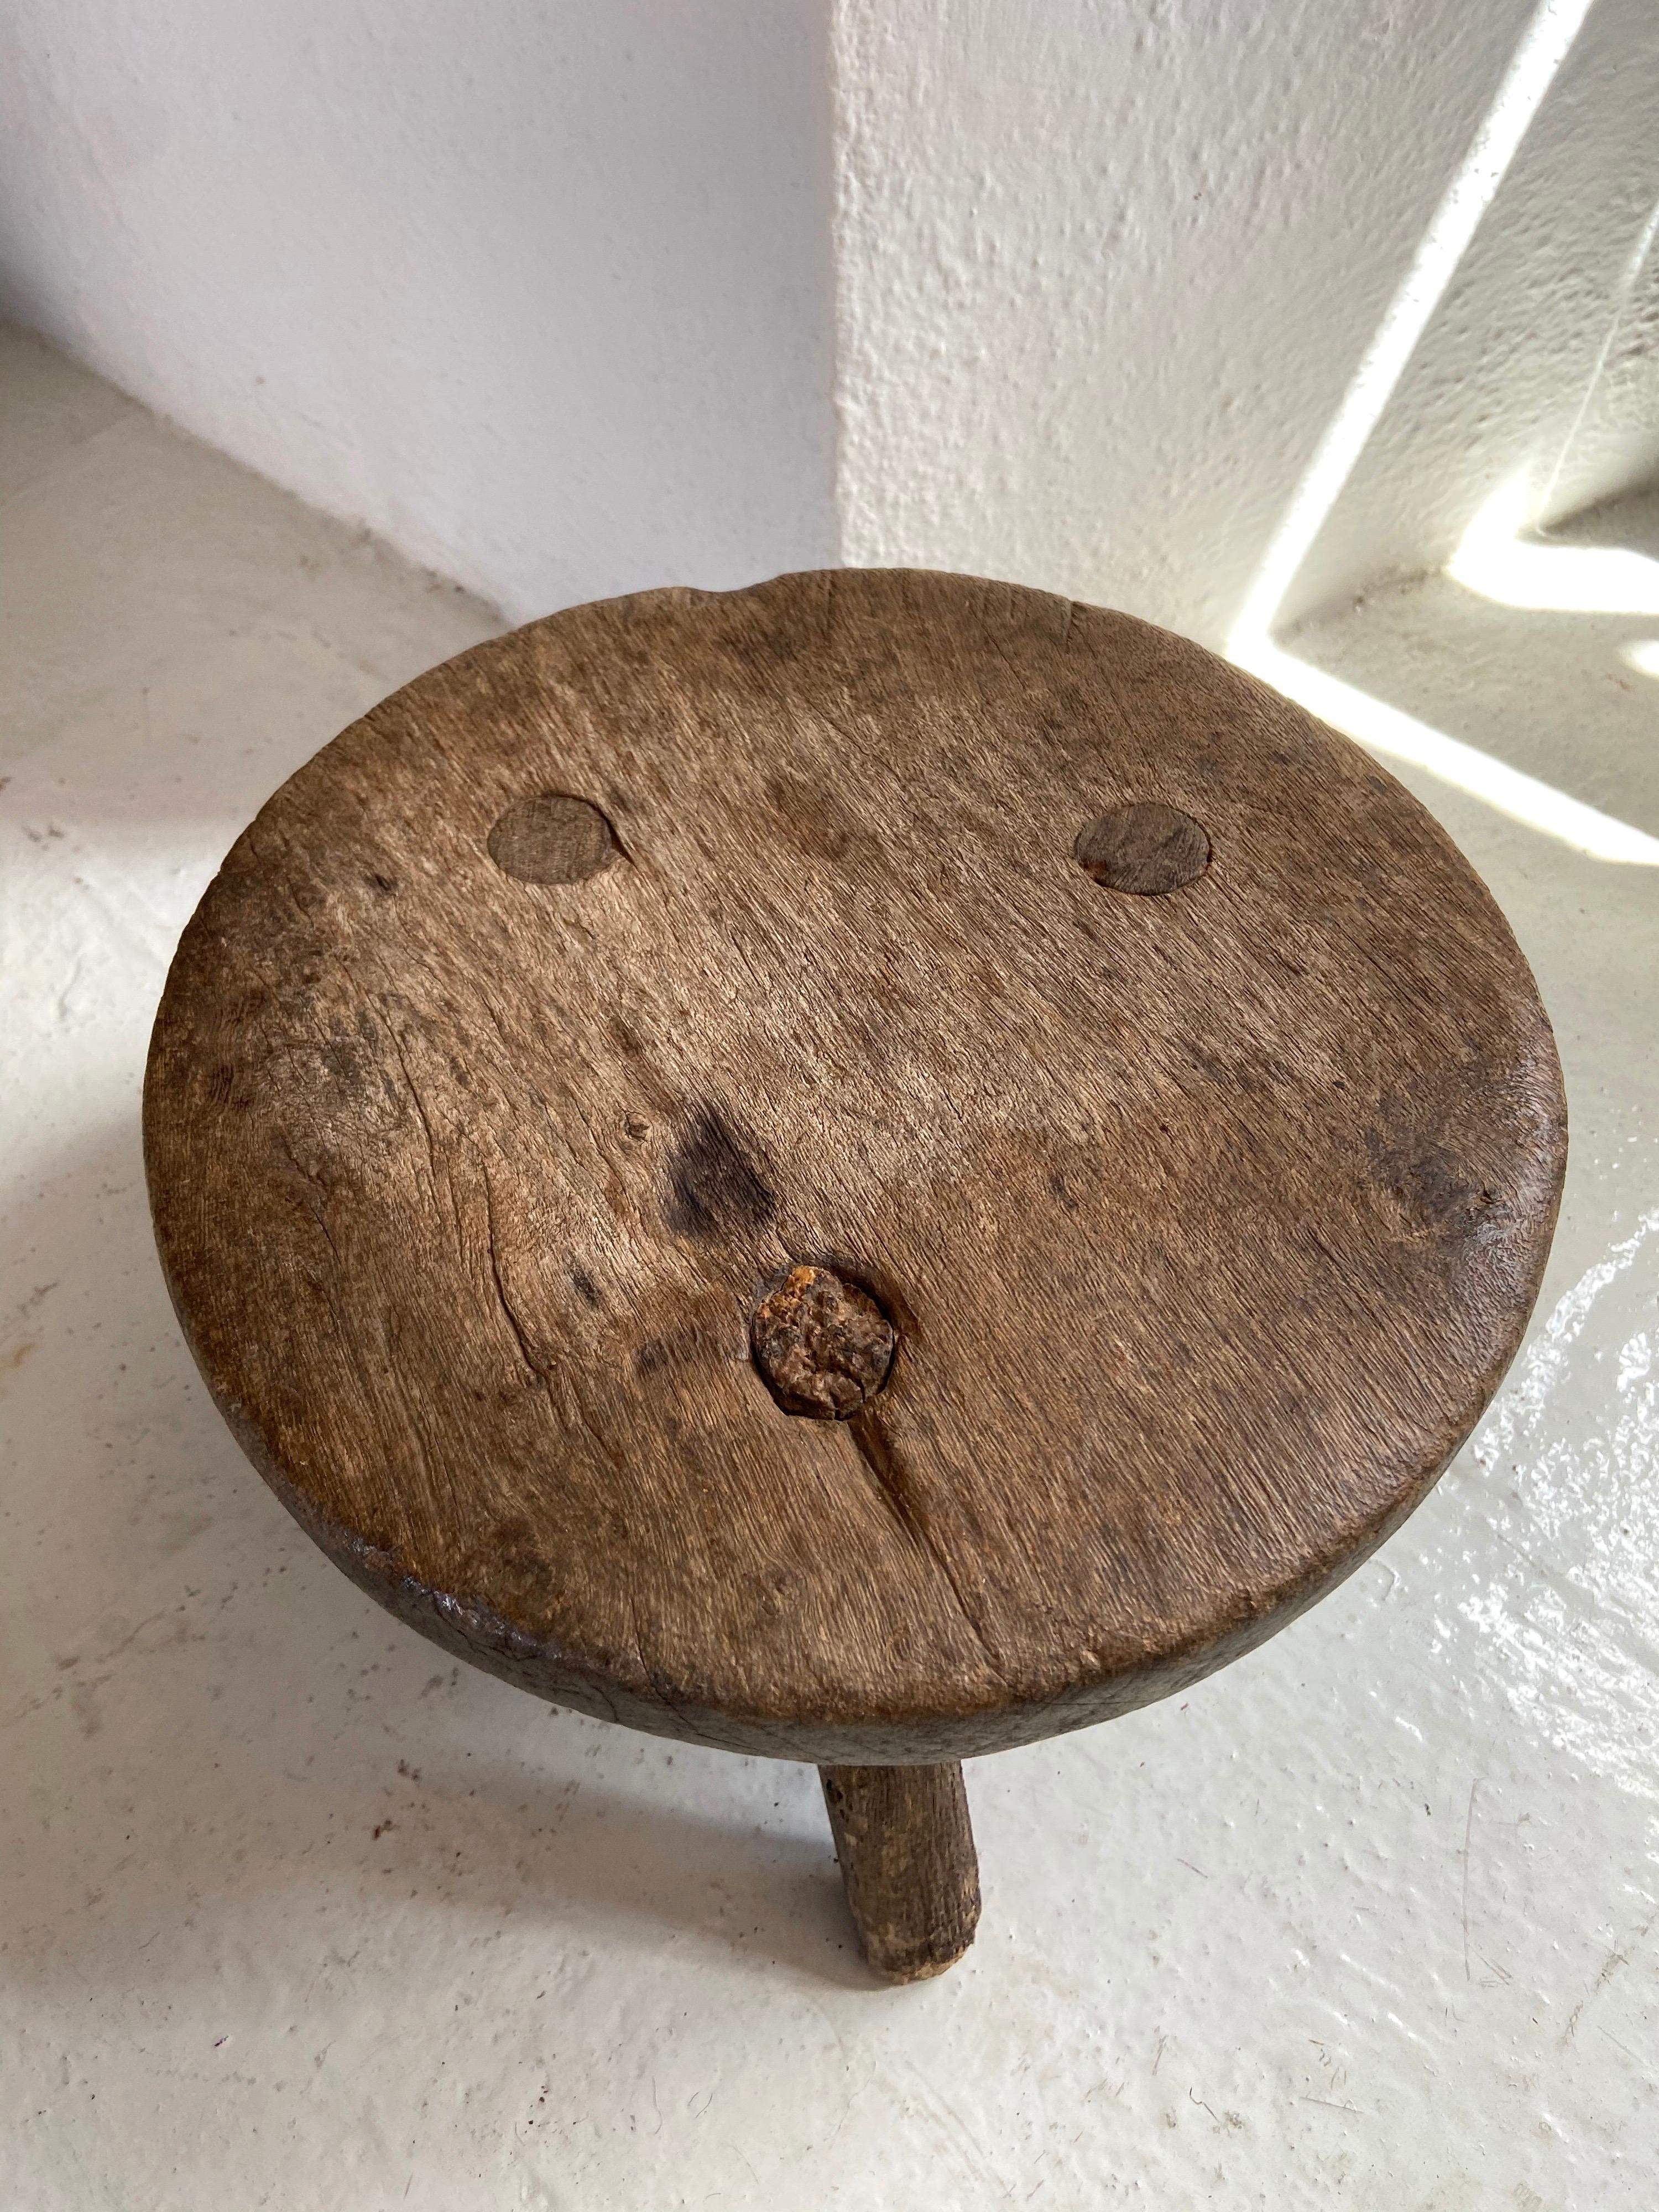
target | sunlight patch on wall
x=1495, y=560
x=1544, y=47
x=1491, y=550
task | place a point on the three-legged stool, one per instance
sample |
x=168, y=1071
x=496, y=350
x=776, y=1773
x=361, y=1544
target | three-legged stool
x=865, y=1170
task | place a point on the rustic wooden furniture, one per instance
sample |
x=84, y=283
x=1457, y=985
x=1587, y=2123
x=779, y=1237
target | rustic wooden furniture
x=867, y=1170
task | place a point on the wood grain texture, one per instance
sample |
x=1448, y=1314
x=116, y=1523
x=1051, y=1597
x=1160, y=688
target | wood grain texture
x=1207, y=1222
x=907, y=1862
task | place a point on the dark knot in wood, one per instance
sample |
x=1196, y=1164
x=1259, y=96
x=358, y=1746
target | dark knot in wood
x=823, y=1344
x=552, y=839
x=1146, y=848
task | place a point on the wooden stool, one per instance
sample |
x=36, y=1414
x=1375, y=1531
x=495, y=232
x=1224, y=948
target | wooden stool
x=865, y=1170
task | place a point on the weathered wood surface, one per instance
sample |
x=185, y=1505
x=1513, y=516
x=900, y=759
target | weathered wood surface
x=1205, y=1218
x=906, y=1849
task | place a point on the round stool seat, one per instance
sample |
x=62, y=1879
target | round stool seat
x=866, y=1170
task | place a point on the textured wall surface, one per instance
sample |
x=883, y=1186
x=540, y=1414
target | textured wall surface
x=564, y=301
x=1542, y=360
x=541, y=294
x=1105, y=273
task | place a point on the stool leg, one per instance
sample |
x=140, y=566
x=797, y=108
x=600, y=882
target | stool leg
x=906, y=1858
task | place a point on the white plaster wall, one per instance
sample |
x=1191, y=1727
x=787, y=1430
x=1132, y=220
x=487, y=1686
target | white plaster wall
x=1106, y=272
x=566, y=300
x=540, y=292
x=1542, y=358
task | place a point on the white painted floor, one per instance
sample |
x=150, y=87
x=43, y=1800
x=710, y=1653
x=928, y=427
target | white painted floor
x=296, y=1914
